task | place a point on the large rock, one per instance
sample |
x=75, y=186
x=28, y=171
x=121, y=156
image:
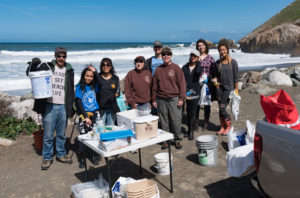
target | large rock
x=24, y=109
x=231, y=43
x=284, y=38
x=297, y=73
x=278, y=78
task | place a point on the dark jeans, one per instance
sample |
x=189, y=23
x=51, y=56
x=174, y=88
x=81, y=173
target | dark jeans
x=191, y=111
x=206, y=112
x=223, y=100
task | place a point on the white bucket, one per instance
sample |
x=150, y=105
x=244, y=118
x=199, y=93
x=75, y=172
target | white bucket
x=162, y=163
x=208, y=150
x=41, y=83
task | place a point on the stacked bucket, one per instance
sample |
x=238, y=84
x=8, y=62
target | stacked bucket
x=207, y=150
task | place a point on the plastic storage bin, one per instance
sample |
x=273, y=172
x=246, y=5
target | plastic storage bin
x=125, y=118
x=146, y=127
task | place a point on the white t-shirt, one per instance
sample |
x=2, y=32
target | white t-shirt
x=58, y=86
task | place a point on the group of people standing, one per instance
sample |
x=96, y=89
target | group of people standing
x=156, y=84
x=162, y=85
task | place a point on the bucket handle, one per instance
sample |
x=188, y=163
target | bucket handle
x=38, y=66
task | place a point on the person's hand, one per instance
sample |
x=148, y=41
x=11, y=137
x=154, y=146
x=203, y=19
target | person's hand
x=236, y=91
x=154, y=104
x=92, y=68
x=88, y=121
x=116, y=95
x=180, y=103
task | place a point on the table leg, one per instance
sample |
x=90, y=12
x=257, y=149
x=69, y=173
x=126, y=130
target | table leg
x=170, y=164
x=140, y=158
x=109, y=177
x=84, y=161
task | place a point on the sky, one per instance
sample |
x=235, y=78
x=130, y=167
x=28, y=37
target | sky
x=132, y=20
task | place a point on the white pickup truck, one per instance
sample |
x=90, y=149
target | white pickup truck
x=277, y=160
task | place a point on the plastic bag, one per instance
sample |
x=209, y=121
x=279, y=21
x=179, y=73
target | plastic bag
x=236, y=139
x=205, y=98
x=235, y=104
x=119, y=188
x=121, y=102
x=239, y=160
x=98, y=188
x=250, y=132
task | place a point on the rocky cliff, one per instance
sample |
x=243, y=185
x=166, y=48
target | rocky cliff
x=280, y=34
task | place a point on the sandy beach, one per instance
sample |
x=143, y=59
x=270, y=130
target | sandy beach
x=22, y=177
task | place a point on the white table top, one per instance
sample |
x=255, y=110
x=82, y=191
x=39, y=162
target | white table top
x=94, y=144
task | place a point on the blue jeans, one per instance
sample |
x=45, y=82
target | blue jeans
x=109, y=117
x=54, y=119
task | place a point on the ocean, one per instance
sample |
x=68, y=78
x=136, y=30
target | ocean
x=14, y=58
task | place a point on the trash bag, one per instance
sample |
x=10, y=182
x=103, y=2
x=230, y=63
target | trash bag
x=36, y=65
x=240, y=160
x=235, y=104
x=205, y=97
x=279, y=109
x=236, y=138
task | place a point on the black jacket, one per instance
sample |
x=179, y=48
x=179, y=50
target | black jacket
x=40, y=104
x=107, y=90
x=192, y=78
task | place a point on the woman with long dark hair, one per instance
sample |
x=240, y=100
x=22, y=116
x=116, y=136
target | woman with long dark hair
x=206, y=62
x=225, y=78
x=109, y=90
x=87, y=106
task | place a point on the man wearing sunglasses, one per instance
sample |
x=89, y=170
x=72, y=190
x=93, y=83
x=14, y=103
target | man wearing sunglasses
x=57, y=109
x=152, y=63
x=168, y=93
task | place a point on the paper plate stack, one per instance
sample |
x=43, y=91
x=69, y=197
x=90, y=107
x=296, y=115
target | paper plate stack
x=144, y=188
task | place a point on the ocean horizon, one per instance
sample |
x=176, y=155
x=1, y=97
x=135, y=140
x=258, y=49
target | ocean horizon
x=15, y=55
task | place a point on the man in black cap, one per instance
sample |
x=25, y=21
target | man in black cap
x=152, y=63
x=57, y=109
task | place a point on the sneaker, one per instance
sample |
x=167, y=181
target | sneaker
x=46, y=164
x=178, y=145
x=164, y=145
x=64, y=159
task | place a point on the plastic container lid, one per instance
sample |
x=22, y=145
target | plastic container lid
x=143, y=119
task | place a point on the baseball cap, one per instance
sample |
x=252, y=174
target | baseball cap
x=139, y=58
x=195, y=52
x=166, y=49
x=157, y=44
x=60, y=50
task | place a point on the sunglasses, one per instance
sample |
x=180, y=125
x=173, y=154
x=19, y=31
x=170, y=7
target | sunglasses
x=139, y=61
x=157, y=47
x=58, y=56
x=106, y=65
x=166, y=54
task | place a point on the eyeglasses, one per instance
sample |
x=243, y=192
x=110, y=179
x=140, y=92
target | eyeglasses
x=58, y=56
x=166, y=54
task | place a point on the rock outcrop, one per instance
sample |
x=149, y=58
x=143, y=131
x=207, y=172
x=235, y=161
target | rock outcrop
x=279, y=35
x=280, y=39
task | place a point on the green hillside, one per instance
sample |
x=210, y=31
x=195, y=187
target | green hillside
x=289, y=14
